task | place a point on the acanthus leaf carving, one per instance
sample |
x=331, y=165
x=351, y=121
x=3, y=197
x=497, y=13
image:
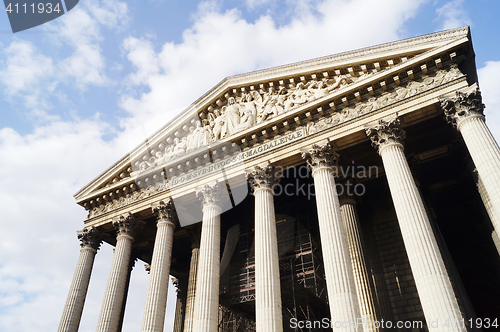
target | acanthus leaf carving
x=386, y=133
x=213, y=195
x=463, y=105
x=90, y=238
x=127, y=225
x=320, y=156
x=265, y=177
x=165, y=210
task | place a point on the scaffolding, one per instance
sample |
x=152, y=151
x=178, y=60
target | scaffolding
x=303, y=287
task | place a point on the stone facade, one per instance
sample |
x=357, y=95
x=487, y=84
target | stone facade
x=377, y=253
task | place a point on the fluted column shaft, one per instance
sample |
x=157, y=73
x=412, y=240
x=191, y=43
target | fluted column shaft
x=431, y=278
x=153, y=317
x=340, y=285
x=268, y=314
x=73, y=308
x=487, y=202
x=207, y=285
x=342, y=297
x=361, y=276
x=489, y=209
x=191, y=294
x=485, y=153
x=109, y=317
x=465, y=112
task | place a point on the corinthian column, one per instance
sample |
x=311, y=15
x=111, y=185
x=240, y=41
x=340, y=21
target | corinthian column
x=109, y=318
x=344, y=306
x=73, y=308
x=268, y=315
x=153, y=317
x=207, y=286
x=361, y=277
x=431, y=278
x=465, y=112
x=193, y=273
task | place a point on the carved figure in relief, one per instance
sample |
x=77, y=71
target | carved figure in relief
x=142, y=165
x=247, y=120
x=157, y=159
x=320, y=89
x=301, y=95
x=200, y=136
x=218, y=123
x=191, y=143
x=269, y=107
x=169, y=153
x=282, y=97
x=232, y=117
x=252, y=101
x=180, y=146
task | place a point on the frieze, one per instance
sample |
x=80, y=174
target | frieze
x=299, y=133
x=411, y=88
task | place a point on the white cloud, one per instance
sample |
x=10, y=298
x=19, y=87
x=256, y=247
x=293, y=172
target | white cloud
x=25, y=74
x=111, y=13
x=39, y=173
x=452, y=15
x=489, y=84
x=81, y=29
x=142, y=55
x=25, y=68
x=86, y=64
x=251, y=4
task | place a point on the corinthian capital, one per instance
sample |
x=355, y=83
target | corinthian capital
x=263, y=177
x=463, y=105
x=213, y=195
x=127, y=225
x=386, y=133
x=165, y=210
x=320, y=156
x=90, y=238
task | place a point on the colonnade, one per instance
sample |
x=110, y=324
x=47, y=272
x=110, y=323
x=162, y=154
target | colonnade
x=347, y=279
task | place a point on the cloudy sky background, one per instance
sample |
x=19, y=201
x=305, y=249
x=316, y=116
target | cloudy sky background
x=80, y=92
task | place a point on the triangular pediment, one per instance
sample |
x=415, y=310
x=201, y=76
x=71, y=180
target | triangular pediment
x=247, y=107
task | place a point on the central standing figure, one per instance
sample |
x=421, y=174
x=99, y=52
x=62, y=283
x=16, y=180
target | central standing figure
x=232, y=114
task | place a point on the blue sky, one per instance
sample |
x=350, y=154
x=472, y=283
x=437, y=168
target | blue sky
x=80, y=92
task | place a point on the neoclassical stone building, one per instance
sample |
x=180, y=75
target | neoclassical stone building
x=351, y=192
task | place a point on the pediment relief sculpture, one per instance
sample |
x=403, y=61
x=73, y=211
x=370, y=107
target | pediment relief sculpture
x=255, y=107
x=240, y=113
x=245, y=107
